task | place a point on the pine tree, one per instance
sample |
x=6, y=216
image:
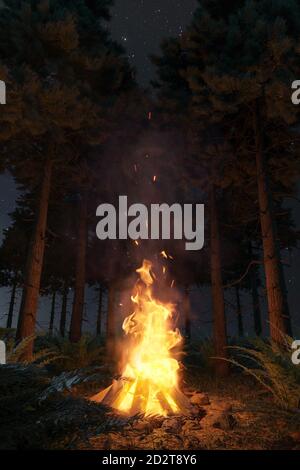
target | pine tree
x=242, y=65
x=55, y=88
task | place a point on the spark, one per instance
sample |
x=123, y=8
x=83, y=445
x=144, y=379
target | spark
x=166, y=255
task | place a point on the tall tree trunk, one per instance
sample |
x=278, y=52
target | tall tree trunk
x=239, y=311
x=28, y=313
x=187, y=314
x=63, y=312
x=78, y=303
x=287, y=314
x=52, y=313
x=99, y=313
x=219, y=321
x=255, y=296
x=111, y=322
x=268, y=228
x=11, y=304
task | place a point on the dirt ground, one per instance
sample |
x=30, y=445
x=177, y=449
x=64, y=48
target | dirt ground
x=228, y=414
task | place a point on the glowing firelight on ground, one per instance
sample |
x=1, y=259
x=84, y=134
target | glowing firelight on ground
x=149, y=382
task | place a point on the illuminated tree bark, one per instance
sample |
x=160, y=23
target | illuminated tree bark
x=268, y=229
x=28, y=312
x=219, y=321
x=255, y=296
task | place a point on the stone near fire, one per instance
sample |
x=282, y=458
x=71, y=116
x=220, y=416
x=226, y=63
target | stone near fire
x=142, y=425
x=225, y=421
x=171, y=425
x=194, y=410
x=200, y=399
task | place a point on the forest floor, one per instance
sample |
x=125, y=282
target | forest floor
x=230, y=414
x=39, y=412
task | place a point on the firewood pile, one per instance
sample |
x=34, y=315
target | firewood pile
x=117, y=391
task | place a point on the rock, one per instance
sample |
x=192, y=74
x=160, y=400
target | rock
x=171, y=425
x=225, y=421
x=197, y=412
x=194, y=410
x=157, y=421
x=200, y=399
x=142, y=425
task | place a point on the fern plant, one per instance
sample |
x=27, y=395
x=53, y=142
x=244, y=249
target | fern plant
x=85, y=353
x=271, y=365
x=14, y=353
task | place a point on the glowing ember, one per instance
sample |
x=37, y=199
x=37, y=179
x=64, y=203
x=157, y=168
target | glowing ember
x=149, y=382
x=166, y=255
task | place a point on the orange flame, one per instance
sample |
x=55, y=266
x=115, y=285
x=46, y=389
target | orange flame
x=149, y=382
x=153, y=370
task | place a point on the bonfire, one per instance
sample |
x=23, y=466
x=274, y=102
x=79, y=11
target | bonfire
x=149, y=381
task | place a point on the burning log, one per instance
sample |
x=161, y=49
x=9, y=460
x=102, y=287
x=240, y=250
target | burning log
x=140, y=398
x=110, y=394
x=164, y=403
x=181, y=400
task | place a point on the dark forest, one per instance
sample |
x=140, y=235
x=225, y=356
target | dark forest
x=106, y=344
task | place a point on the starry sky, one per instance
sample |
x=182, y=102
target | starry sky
x=140, y=25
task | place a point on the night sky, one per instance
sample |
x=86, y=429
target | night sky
x=140, y=25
